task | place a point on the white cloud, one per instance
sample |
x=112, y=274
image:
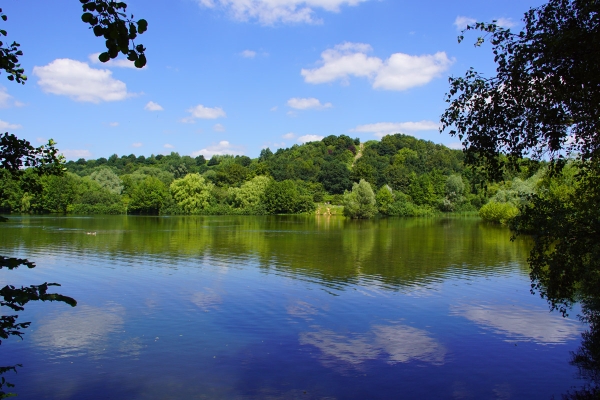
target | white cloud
x=461, y=22
x=381, y=129
x=78, y=81
x=269, y=12
x=6, y=125
x=248, y=54
x=273, y=108
x=344, y=60
x=399, y=72
x=113, y=124
x=120, y=63
x=72, y=154
x=5, y=98
x=202, y=112
x=506, y=22
x=137, y=144
x=289, y=135
x=307, y=103
x=219, y=128
x=152, y=106
x=223, y=147
x=168, y=146
x=309, y=138
x=403, y=71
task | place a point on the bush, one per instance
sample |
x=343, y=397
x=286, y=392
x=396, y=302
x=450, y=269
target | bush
x=283, y=198
x=360, y=202
x=501, y=213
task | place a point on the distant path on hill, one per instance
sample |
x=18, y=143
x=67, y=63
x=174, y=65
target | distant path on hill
x=358, y=153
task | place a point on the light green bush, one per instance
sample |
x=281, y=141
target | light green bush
x=360, y=203
x=501, y=213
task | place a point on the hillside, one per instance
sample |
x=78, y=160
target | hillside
x=409, y=175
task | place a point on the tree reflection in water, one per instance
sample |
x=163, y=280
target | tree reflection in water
x=587, y=357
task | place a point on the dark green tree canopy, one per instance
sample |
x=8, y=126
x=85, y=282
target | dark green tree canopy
x=544, y=99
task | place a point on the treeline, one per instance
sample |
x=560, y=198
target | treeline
x=406, y=177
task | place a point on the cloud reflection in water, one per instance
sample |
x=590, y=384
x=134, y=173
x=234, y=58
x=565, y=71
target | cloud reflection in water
x=521, y=324
x=83, y=329
x=393, y=343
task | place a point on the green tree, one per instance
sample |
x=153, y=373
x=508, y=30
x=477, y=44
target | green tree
x=232, y=174
x=360, y=202
x=192, y=193
x=283, y=198
x=107, y=180
x=149, y=196
x=59, y=192
x=335, y=177
x=385, y=200
x=455, y=188
x=249, y=196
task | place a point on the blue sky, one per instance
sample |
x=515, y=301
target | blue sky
x=236, y=76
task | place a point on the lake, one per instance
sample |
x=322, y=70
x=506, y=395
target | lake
x=283, y=307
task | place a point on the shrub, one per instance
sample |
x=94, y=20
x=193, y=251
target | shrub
x=360, y=202
x=501, y=213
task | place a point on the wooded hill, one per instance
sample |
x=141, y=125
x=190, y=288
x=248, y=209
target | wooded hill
x=409, y=175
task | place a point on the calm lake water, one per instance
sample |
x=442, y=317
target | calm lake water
x=283, y=308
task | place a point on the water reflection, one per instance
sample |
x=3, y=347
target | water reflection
x=207, y=299
x=395, y=253
x=242, y=307
x=80, y=331
x=520, y=324
x=392, y=344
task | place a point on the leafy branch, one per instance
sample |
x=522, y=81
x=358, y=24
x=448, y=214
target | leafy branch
x=109, y=19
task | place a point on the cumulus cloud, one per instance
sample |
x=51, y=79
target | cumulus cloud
x=201, y=112
x=269, y=12
x=137, y=144
x=307, y=103
x=461, y=22
x=168, y=146
x=7, y=125
x=309, y=138
x=80, y=82
x=381, y=129
x=399, y=72
x=222, y=148
x=274, y=108
x=248, y=54
x=113, y=124
x=219, y=128
x=341, y=62
x=152, y=106
x=72, y=154
x=289, y=135
x=120, y=63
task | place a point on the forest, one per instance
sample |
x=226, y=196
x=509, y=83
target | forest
x=397, y=176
